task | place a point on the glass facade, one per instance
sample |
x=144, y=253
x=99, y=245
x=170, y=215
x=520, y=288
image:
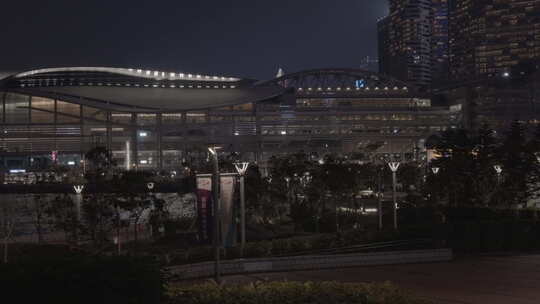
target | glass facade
x=39, y=125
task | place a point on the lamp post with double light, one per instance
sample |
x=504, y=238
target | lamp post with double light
x=436, y=171
x=78, y=205
x=241, y=168
x=216, y=212
x=394, y=166
x=498, y=169
x=537, y=154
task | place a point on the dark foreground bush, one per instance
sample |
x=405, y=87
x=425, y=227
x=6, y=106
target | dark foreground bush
x=83, y=280
x=293, y=292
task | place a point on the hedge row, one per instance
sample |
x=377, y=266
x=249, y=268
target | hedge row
x=490, y=236
x=83, y=280
x=293, y=292
x=295, y=246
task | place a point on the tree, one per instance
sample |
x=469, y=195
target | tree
x=98, y=217
x=37, y=207
x=100, y=161
x=131, y=199
x=533, y=147
x=456, y=148
x=63, y=216
x=10, y=215
x=518, y=163
x=485, y=155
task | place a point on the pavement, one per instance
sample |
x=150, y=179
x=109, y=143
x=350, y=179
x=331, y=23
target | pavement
x=466, y=280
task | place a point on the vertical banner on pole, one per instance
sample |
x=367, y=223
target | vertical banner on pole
x=228, y=225
x=204, y=208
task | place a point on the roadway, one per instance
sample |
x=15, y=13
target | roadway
x=467, y=280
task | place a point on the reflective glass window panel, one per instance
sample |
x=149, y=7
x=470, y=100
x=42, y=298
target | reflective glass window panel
x=196, y=117
x=2, y=95
x=93, y=114
x=42, y=110
x=123, y=118
x=67, y=112
x=17, y=108
x=171, y=118
x=146, y=119
x=243, y=107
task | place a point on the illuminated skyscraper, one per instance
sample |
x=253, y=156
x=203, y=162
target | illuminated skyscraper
x=490, y=37
x=405, y=41
x=440, y=42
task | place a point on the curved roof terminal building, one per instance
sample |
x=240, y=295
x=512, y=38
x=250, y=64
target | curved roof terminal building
x=157, y=119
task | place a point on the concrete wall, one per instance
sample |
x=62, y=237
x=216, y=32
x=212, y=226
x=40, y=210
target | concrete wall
x=283, y=264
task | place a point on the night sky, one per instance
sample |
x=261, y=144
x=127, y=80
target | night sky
x=246, y=38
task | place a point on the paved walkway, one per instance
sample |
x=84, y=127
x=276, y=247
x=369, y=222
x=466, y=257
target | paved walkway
x=479, y=280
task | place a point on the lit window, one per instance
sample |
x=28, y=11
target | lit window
x=143, y=134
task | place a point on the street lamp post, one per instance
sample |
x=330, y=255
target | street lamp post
x=394, y=166
x=216, y=212
x=78, y=205
x=537, y=154
x=435, y=171
x=499, y=170
x=241, y=168
x=150, y=187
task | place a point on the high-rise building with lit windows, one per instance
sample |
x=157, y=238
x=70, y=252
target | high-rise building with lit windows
x=405, y=41
x=440, y=42
x=490, y=37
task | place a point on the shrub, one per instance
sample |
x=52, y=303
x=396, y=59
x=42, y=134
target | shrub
x=281, y=246
x=259, y=249
x=297, y=245
x=293, y=292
